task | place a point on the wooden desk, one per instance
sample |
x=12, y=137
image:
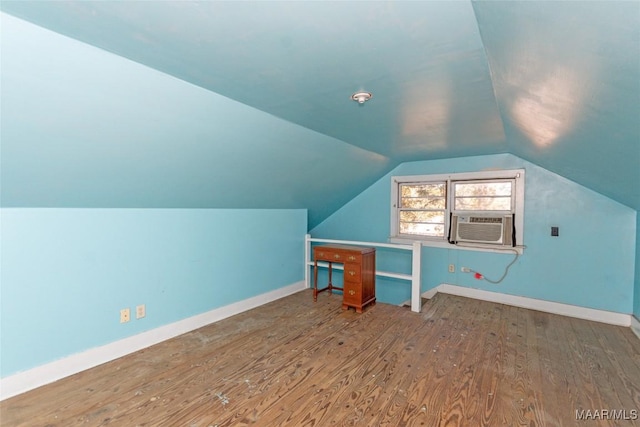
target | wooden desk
x=359, y=284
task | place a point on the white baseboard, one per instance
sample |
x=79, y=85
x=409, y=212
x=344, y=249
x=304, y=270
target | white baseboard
x=426, y=294
x=602, y=316
x=430, y=293
x=635, y=326
x=28, y=380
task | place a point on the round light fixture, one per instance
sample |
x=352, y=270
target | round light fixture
x=361, y=97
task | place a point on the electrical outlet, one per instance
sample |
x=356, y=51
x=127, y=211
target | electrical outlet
x=555, y=231
x=452, y=268
x=125, y=315
x=140, y=311
x=465, y=269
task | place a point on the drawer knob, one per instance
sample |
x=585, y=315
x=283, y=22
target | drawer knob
x=337, y=256
x=352, y=258
x=351, y=272
x=352, y=292
x=321, y=253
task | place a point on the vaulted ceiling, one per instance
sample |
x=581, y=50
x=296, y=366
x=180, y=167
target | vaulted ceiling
x=556, y=83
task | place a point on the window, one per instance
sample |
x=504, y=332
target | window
x=422, y=209
x=422, y=206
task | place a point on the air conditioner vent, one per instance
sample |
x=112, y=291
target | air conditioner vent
x=489, y=232
x=486, y=219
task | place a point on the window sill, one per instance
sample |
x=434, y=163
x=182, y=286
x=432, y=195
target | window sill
x=462, y=246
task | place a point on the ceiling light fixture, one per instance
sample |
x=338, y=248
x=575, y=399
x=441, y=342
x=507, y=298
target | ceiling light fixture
x=361, y=97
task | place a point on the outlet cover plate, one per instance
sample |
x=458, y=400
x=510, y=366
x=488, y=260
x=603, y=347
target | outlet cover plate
x=125, y=315
x=141, y=311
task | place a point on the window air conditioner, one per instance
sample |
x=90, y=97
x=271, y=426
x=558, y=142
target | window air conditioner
x=482, y=228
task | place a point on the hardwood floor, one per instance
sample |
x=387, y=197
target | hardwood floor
x=460, y=362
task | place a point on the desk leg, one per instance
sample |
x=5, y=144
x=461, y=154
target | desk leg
x=329, y=287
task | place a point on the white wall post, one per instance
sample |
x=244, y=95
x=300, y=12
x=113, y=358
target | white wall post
x=416, y=261
x=307, y=253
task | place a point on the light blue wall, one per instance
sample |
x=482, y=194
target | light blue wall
x=66, y=273
x=590, y=264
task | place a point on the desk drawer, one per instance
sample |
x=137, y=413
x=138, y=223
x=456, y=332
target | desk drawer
x=352, y=273
x=355, y=258
x=328, y=255
x=352, y=293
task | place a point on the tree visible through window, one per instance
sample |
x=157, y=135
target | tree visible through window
x=483, y=196
x=422, y=209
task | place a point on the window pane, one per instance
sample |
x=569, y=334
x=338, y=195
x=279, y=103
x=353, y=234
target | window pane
x=423, y=190
x=422, y=216
x=422, y=222
x=434, y=230
x=483, y=196
x=420, y=203
x=483, y=203
x=482, y=189
x=423, y=196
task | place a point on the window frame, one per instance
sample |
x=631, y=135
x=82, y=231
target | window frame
x=516, y=175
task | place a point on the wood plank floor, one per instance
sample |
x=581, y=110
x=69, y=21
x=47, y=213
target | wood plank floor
x=460, y=362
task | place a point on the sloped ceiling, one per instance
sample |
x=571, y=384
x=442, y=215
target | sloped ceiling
x=567, y=82
x=555, y=83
